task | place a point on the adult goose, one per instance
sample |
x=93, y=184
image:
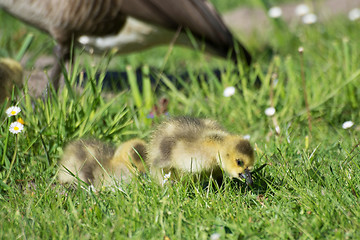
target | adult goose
x=67, y=20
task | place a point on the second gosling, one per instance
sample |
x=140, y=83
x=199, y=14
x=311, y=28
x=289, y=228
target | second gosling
x=99, y=164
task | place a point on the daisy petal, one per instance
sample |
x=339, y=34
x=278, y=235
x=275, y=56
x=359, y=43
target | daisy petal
x=275, y=12
x=302, y=10
x=229, y=91
x=215, y=236
x=347, y=124
x=354, y=14
x=166, y=177
x=309, y=18
x=247, y=137
x=270, y=111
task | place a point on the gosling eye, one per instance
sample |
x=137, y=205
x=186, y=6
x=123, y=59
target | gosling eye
x=240, y=163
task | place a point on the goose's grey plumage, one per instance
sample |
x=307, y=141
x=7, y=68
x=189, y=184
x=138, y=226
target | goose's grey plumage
x=137, y=36
x=67, y=20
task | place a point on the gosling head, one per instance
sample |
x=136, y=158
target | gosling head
x=237, y=158
x=12, y=65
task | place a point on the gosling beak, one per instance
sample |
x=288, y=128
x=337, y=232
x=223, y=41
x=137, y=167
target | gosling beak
x=247, y=176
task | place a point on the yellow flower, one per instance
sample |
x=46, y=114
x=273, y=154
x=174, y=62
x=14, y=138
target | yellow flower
x=12, y=111
x=16, y=127
x=20, y=120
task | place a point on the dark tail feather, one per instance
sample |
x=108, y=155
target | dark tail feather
x=199, y=16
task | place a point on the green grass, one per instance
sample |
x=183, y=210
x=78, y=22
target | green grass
x=308, y=190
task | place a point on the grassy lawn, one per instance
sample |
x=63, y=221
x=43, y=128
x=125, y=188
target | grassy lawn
x=309, y=189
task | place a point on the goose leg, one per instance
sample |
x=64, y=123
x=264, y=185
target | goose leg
x=62, y=54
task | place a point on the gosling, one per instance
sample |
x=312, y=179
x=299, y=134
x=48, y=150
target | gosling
x=99, y=164
x=188, y=145
x=11, y=75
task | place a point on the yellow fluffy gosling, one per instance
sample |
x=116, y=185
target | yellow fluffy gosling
x=198, y=146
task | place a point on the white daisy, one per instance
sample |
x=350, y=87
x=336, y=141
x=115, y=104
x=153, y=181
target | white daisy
x=275, y=12
x=166, y=177
x=229, y=91
x=302, y=9
x=354, y=14
x=12, y=111
x=16, y=127
x=215, y=236
x=246, y=137
x=347, y=124
x=309, y=18
x=270, y=111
